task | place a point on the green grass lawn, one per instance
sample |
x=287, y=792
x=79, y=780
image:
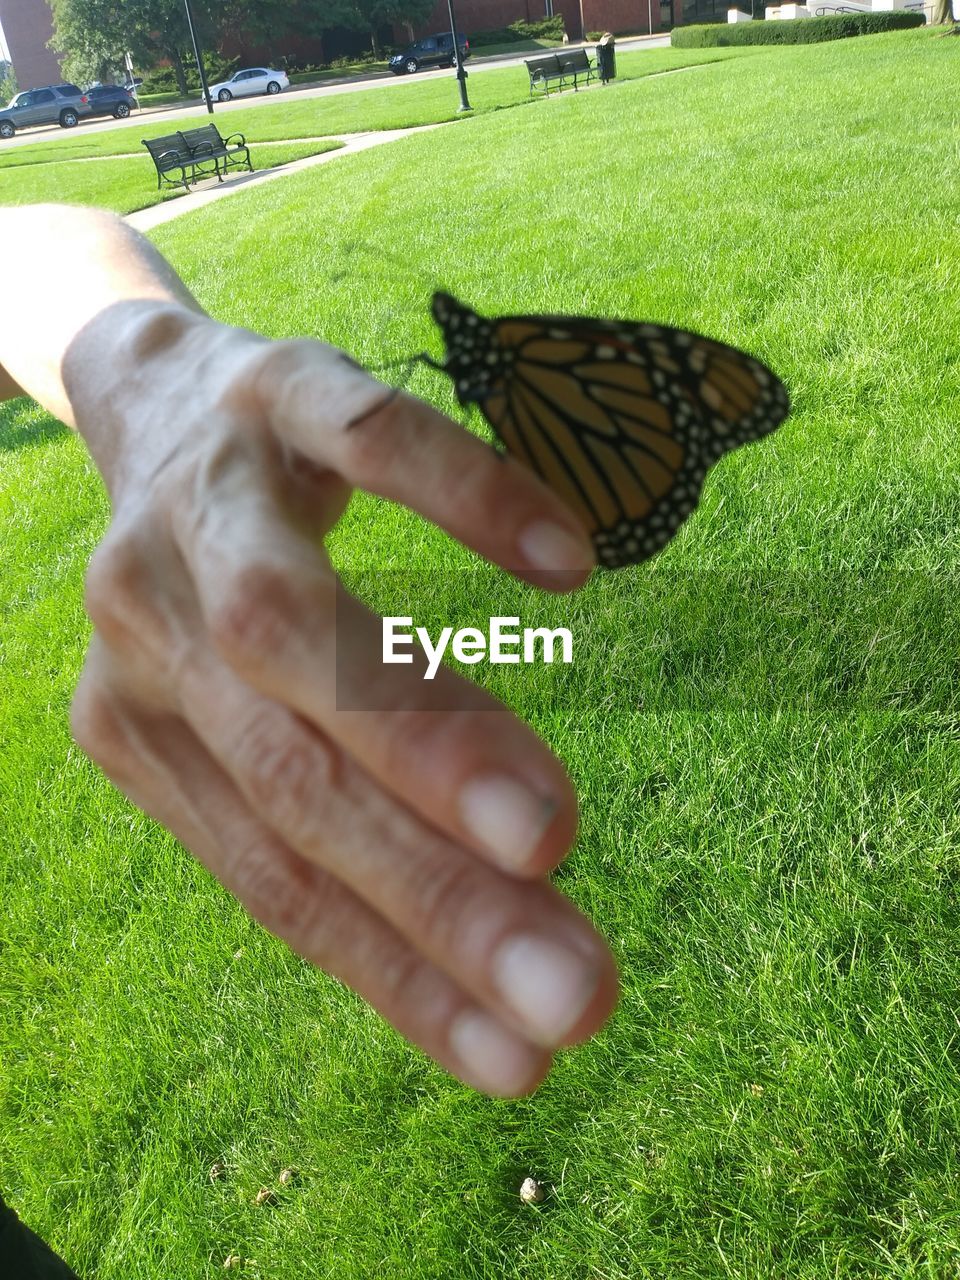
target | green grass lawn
x=762, y=725
x=393, y=105
x=168, y=98
x=122, y=184
x=303, y=79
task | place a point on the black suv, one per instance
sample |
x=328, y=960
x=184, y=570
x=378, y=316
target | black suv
x=61, y=104
x=429, y=51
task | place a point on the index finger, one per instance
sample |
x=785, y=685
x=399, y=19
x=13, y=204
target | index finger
x=398, y=447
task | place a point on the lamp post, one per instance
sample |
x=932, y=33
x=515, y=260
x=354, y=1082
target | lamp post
x=196, y=53
x=461, y=69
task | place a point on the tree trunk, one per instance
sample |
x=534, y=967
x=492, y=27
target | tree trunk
x=942, y=12
x=409, y=27
x=375, y=44
x=178, y=70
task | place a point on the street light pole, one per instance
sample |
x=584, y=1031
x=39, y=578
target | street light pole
x=196, y=54
x=461, y=69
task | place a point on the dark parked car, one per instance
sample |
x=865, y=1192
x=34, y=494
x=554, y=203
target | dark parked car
x=61, y=104
x=429, y=51
x=111, y=100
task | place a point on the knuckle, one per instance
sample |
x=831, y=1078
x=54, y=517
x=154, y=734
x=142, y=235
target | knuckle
x=400, y=973
x=378, y=442
x=440, y=904
x=255, y=616
x=425, y=736
x=278, y=888
x=113, y=592
x=285, y=774
x=96, y=727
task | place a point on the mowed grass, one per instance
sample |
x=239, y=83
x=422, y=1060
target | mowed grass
x=392, y=105
x=126, y=183
x=762, y=725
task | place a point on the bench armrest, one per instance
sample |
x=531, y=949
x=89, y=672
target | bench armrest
x=241, y=143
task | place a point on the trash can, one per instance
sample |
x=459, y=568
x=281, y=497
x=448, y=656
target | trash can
x=607, y=58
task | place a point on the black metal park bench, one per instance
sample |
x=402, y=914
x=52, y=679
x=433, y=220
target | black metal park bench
x=560, y=69
x=196, y=154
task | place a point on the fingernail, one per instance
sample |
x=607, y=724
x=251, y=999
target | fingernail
x=547, y=985
x=505, y=817
x=550, y=546
x=493, y=1059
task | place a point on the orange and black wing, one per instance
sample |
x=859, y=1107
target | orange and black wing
x=621, y=420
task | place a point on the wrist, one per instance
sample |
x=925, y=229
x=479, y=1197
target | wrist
x=133, y=376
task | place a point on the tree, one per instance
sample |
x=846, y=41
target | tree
x=90, y=33
x=8, y=82
x=371, y=15
x=95, y=34
x=943, y=13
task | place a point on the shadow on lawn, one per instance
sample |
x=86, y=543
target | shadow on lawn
x=24, y=425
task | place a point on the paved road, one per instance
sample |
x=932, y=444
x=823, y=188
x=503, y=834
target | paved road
x=375, y=80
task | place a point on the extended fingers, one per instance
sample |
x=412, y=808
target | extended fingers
x=452, y=963
x=467, y=917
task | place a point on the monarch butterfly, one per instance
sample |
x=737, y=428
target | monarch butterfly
x=622, y=420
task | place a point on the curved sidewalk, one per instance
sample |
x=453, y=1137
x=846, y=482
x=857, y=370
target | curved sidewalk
x=211, y=190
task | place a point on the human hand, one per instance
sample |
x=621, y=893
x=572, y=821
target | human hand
x=404, y=851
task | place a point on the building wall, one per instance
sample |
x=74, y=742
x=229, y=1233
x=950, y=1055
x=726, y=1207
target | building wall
x=633, y=16
x=597, y=15
x=479, y=15
x=28, y=25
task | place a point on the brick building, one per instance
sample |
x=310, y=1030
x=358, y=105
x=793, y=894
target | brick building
x=579, y=16
x=27, y=26
x=636, y=17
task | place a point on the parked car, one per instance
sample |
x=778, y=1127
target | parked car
x=111, y=100
x=252, y=80
x=429, y=51
x=62, y=104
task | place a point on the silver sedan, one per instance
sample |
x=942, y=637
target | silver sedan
x=242, y=84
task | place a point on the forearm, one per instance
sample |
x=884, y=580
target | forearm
x=67, y=265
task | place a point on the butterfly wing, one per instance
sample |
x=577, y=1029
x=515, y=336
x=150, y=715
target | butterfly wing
x=621, y=420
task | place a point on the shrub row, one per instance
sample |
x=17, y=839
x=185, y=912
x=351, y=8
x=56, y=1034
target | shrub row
x=544, y=29
x=163, y=80
x=797, y=31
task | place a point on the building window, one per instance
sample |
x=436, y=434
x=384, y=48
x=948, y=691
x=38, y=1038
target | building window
x=705, y=10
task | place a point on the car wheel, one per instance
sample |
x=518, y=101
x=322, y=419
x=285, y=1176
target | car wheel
x=411, y=65
x=68, y=119
x=6, y=129
x=224, y=95
x=122, y=111
x=273, y=87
